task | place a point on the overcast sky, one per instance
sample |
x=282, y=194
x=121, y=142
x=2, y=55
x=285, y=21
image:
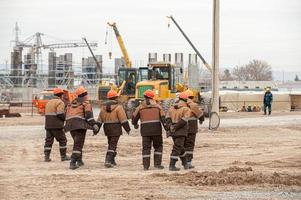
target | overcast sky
x=250, y=29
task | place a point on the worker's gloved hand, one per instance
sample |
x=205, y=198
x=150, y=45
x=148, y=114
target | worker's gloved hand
x=167, y=134
x=95, y=129
x=172, y=130
x=136, y=126
x=166, y=128
x=201, y=119
x=128, y=132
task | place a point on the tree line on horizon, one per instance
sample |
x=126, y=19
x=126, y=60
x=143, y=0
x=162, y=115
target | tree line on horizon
x=255, y=70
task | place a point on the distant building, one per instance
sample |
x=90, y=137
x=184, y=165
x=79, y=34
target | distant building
x=193, y=71
x=119, y=63
x=60, y=72
x=152, y=57
x=290, y=86
x=16, y=67
x=167, y=57
x=248, y=85
x=30, y=70
x=91, y=72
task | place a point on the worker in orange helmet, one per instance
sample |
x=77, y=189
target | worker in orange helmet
x=196, y=114
x=113, y=116
x=79, y=118
x=177, y=124
x=54, y=124
x=151, y=116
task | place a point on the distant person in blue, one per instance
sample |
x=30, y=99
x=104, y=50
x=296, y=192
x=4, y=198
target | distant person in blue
x=267, y=101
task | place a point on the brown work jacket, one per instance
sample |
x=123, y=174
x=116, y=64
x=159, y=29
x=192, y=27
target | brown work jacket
x=178, y=116
x=79, y=115
x=55, y=114
x=151, y=116
x=113, y=116
x=195, y=114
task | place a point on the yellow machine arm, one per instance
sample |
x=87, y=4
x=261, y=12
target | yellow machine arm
x=128, y=62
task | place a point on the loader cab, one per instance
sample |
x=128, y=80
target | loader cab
x=163, y=71
x=130, y=76
x=143, y=74
x=104, y=86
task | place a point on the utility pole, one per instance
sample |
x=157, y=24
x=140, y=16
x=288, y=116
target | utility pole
x=215, y=57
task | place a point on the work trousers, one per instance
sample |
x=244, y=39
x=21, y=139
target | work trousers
x=59, y=135
x=178, y=149
x=78, y=136
x=269, y=106
x=112, y=143
x=147, y=142
x=189, y=146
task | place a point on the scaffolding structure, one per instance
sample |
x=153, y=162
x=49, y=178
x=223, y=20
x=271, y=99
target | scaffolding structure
x=69, y=78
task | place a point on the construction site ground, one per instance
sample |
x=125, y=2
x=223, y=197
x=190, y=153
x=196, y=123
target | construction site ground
x=250, y=156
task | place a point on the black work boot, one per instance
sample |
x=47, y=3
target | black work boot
x=73, y=164
x=189, y=161
x=64, y=157
x=190, y=166
x=47, y=156
x=270, y=112
x=146, y=163
x=80, y=162
x=172, y=165
x=184, y=162
x=113, y=159
x=108, y=161
x=158, y=161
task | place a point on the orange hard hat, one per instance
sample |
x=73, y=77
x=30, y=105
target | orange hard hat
x=189, y=93
x=149, y=93
x=80, y=90
x=58, y=91
x=183, y=95
x=112, y=94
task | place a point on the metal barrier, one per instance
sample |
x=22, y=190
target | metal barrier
x=19, y=107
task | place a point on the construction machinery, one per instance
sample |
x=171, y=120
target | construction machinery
x=191, y=44
x=125, y=54
x=163, y=80
x=127, y=76
x=103, y=86
x=42, y=99
x=204, y=102
x=36, y=45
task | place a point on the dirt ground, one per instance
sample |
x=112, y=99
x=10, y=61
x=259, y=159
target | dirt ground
x=250, y=157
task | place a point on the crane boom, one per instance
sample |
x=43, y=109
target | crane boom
x=69, y=45
x=191, y=44
x=125, y=54
x=96, y=61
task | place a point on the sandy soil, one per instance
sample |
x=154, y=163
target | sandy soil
x=252, y=161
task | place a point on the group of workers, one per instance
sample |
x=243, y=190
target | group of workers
x=180, y=122
x=267, y=104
